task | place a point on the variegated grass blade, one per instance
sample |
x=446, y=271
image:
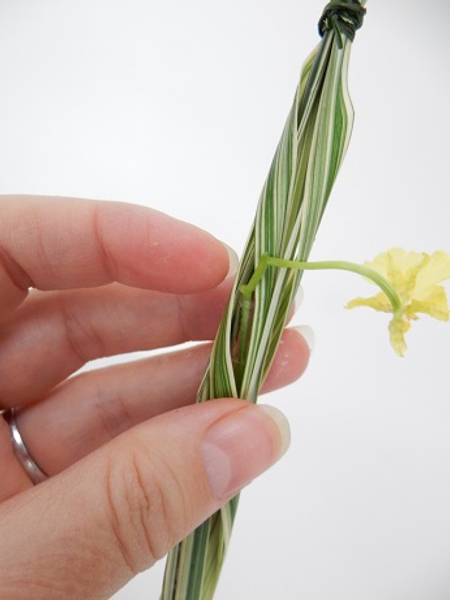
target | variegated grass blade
x=291, y=206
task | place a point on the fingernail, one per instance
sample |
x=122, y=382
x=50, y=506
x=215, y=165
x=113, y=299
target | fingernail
x=233, y=260
x=241, y=446
x=282, y=423
x=308, y=334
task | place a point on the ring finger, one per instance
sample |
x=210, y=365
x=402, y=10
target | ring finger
x=89, y=410
x=54, y=333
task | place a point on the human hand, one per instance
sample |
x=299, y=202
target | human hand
x=133, y=464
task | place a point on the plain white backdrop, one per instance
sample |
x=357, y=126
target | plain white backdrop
x=179, y=105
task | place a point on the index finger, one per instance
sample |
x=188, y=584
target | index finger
x=52, y=243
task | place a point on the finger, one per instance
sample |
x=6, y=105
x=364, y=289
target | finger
x=291, y=359
x=60, y=243
x=122, y=508
x=14, y=478
x=89, y=410
x=53, y=334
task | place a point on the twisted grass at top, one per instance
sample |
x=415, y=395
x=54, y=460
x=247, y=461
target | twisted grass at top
x=291, y=206
x=344, y=17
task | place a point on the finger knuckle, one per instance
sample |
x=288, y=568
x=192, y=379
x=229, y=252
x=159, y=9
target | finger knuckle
x=146, y=507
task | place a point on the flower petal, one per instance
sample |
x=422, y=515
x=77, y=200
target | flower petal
x=379, y=302
x=395, y=262
x=401, y=269
x=397, y=329
x=436, y=270
x=434, y=303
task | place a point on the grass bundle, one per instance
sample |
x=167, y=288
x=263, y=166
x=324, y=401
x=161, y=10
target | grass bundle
x=292, y=203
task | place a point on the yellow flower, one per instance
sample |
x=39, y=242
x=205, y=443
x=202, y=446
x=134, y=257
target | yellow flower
x=414, y=276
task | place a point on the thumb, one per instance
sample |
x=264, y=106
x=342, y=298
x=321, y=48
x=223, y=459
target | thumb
x=86, y=532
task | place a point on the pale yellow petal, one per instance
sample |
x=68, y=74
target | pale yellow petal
x=404, y=260
x=379, y=302
x=414, y=276
x=397, y=329
x=379, y=264
x=436, y=270
x=434, y=303
x=396, y=260
x=403, y=272
x=400, y=268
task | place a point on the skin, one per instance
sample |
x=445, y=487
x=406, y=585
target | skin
x=133, y=463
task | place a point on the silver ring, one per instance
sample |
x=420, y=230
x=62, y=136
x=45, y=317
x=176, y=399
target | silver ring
x=34, y=472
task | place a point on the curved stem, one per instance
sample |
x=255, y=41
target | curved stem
x=271, y=261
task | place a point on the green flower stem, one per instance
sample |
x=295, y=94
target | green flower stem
x=267, y=261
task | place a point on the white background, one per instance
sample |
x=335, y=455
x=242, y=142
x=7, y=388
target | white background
x=179, y=105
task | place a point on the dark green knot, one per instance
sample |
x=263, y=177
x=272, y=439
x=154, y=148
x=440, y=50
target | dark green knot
x=343, y=17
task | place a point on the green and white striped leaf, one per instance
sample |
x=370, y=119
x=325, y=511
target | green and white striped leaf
x=292, y=203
